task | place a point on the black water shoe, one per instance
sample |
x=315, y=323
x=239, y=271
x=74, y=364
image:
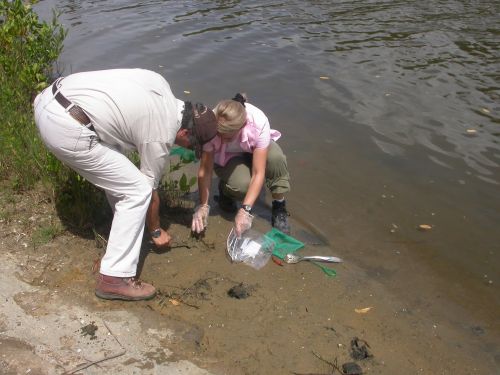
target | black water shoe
x=279, y=217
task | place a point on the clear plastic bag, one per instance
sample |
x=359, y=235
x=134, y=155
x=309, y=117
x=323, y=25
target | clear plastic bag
x=253, y=248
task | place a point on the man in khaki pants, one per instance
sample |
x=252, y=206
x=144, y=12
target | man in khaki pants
x=89, y=120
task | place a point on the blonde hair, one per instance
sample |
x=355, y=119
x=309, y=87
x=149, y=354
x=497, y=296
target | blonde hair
x=231, y=116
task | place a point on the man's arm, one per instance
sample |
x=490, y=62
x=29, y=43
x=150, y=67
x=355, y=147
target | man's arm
x=153, y=221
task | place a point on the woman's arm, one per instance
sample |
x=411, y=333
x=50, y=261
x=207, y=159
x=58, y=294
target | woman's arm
x=200, y=216
x=205, y=176
x=259, y=159
x=243, y=219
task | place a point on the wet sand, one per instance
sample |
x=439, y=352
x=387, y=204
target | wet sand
x=293, y=316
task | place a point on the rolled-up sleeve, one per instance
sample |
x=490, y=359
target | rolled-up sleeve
x=153, y=157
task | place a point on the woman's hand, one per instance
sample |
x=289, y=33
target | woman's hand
x=200, y=218
x=242, y=222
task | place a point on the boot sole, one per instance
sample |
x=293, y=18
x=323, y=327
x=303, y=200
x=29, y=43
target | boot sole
x=112, y=296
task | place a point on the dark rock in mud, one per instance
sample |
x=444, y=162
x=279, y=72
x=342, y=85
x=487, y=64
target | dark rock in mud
x=239, y=291
x=359, y=349
x=351, y=368
x=89, y=330
x=478, y=330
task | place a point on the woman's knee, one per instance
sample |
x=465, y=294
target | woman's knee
x=275, y=156
x=276, y=164
x=276, y=161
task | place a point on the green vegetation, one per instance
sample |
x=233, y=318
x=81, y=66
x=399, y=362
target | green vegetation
x=45, y=234
x=172, y=190
x=29, y=48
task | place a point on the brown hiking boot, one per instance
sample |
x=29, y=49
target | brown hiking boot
x=124, y=288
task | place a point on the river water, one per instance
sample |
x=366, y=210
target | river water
x=389, y=110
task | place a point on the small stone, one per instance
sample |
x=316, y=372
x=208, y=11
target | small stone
x=239, y=291
x=351, y=368
x=478, y=330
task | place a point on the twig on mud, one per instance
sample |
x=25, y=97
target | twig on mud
x=174, y=297
x=112, y=334
x=200, y=238
x=208, y=245
x=190, y=290
x=105, y=358
x=334, y=364
x=199, y=283
x=177, y=246
x=85, y=365
x=100, y=241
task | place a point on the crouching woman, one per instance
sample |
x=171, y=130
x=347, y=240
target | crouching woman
x=244, y=155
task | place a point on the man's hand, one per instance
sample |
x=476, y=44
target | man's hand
x=163, y=240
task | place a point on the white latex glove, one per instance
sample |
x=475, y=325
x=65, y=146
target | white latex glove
x=200, y=218
x=242, y=222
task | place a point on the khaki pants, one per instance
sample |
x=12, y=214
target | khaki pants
x=236, y=174
x=127, y=189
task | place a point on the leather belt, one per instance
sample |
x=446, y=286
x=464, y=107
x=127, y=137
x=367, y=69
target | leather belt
x=75, y=111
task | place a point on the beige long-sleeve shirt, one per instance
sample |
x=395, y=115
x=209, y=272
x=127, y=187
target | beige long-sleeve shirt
x=131, y=110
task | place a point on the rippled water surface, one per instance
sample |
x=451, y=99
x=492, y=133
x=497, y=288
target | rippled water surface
x=389, y=109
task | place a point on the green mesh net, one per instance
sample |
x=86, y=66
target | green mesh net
x=283, y=243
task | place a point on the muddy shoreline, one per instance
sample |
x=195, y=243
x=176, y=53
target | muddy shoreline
x=294, y=319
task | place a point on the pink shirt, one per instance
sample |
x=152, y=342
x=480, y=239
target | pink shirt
x=256, y=133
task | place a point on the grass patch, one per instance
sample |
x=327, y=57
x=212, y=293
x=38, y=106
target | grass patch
x=45, y=234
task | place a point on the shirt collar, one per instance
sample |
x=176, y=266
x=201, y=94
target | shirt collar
x=180, y=109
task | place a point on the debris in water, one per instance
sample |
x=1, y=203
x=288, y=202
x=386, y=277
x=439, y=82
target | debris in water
x=424, y=227
x=324, y=78
x=471, y=132
x=277, y=260
x=363, y=310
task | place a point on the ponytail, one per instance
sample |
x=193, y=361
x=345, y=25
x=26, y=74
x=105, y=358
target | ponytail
x=240, y=98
